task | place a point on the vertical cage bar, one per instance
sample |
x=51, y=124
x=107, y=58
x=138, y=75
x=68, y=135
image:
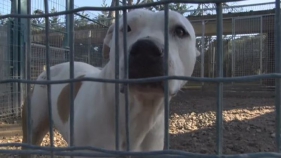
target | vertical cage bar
x=219, y=116
x=166, y=82
x=27, y=73
x=47, y=31
x=277, y=70
x=71, y=74
x=25, y=9
x=203, y=50
x=261, y=47
x=67, y=29
x=15, y=52
x=126, y=70
x=28, y=88
x=89, y=46
x=117, y=90
x=233, y=49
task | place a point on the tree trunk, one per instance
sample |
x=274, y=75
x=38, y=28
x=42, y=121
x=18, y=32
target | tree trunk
x=111, y=14
x=130, y=2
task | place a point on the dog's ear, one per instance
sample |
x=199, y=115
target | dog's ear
x=107, y=42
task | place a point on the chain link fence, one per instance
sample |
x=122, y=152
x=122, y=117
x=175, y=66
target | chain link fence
x=247, y=43
x=9, y=92
x=88, y=39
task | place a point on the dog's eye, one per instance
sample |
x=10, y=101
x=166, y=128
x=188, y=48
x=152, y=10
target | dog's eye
x=129, y=29
x=180, y=32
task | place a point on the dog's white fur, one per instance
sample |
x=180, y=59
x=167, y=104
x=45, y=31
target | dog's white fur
x=94, y=105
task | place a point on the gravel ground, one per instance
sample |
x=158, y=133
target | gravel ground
x=249, y=124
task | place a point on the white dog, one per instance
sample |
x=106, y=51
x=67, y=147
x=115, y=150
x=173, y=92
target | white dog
x=94, y=102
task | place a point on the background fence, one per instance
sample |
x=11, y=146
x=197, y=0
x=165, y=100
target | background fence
x=89, y=34
x=248, y=45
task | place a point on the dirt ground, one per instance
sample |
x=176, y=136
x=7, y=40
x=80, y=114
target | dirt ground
x=249, y=123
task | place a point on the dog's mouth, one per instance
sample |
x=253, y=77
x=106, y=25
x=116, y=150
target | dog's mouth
x=146, y=61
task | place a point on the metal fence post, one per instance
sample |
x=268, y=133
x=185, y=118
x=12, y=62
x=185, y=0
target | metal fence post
x=14, y=53
x=66, y=35
x=261, y=46
x=219, y=116
x=67, y=30
x=71, y=76
x=233, y=50
x=47, y=55
x=126, y=75
x=117, y=88
x=277, y=51
x=166, y=73
x=89, y=46
x=25, y=48
x=203, y=51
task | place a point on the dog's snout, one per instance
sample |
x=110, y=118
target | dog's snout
x=146, y=48
x=146, y=58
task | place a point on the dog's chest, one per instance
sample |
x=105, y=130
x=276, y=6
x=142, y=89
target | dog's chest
x=143, y=117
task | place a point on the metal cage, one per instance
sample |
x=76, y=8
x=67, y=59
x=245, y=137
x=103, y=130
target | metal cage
x=47, y=50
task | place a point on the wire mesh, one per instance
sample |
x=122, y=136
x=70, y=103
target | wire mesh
x=209, y=9
x=217, y=66
x=248, y=46
x=5, y=89
x=9, y=70
x=88, y=37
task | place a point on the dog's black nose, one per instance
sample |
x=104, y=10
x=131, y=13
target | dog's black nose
x=146, y=48
x=146, y=59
